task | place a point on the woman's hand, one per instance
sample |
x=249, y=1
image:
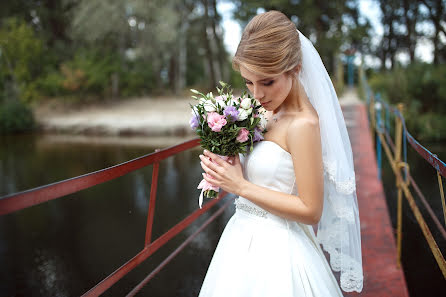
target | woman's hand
x=228, y=175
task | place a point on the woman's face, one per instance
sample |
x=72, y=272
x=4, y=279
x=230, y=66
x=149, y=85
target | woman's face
x=269, y=91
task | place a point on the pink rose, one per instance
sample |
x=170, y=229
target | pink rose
x=243, y=135
x=216, y=121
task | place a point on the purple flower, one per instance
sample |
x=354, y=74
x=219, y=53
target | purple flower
x=231, y=112
x=257, y=134
x=193, y=122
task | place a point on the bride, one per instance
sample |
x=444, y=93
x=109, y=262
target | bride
x=300, y=175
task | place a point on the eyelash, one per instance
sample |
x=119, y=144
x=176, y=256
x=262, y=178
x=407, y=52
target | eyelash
x=265, y=84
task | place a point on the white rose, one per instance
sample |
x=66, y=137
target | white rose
x=243, y=114
x=246, y=103
x=221, y=103
x=209, y=106
x=249, y=111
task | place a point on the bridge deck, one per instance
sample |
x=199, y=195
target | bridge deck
x=381, y=275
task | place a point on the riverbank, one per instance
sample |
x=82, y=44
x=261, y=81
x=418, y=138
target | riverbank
x=133, y=117
x=155, y=117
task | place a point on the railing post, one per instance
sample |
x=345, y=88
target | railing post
x=372, y=117
x=440, y=185
x=378, y=128
x=398, y=181
x=151, y=210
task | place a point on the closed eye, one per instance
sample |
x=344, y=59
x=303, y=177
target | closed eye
x=267, y=84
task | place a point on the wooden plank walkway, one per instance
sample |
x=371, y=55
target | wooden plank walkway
x=381, y=275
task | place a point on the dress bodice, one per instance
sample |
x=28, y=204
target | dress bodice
x=270, y=166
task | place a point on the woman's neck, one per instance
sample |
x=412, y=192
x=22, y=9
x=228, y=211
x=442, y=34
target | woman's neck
x=297, y=100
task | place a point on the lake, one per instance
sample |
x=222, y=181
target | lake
x=66, y=246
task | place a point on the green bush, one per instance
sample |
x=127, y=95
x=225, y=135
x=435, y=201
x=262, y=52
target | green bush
x=21, y=56
x=138, y=80
x=15, y=116
x=51, y=84
x=421, y=87
x=89, y=72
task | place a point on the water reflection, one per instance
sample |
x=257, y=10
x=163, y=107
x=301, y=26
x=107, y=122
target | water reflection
x=50, y=270
x=66, y=246
x=141, y=193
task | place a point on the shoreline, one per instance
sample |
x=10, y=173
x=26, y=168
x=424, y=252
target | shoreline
x=131, y=117
x=161, y=117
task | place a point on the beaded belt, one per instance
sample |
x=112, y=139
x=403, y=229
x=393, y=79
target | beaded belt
x=250, y=209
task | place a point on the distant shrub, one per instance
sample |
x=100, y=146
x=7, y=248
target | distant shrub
x=421, y=87
x=138, y=80
x=21, y=56
x=15, y=116
x=51, y=84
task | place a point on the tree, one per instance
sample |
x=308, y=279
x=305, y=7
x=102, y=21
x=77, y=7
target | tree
x=437, y=15
x=326, y=23
x=20, y=58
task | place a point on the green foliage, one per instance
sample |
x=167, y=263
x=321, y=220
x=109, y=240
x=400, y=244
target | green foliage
x=89, y=72
x=51, y=84
x=138, y=80
x=20, y=57
x=422, y=89
x=15, y=116
x=236, y=80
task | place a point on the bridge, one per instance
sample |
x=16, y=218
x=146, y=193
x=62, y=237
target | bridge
x=383, y=274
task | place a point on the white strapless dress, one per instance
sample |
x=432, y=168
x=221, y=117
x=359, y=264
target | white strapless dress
x=263, y=255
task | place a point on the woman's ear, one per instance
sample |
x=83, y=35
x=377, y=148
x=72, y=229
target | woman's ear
x=295, y=71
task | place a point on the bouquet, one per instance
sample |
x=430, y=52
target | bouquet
x=227, y=125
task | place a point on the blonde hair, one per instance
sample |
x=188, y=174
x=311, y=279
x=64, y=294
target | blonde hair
x=269, y=45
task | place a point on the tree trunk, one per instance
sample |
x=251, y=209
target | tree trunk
x=221, y=51
x=180, y=81
x=436, y=19
x=209, y=54
x=410, y=22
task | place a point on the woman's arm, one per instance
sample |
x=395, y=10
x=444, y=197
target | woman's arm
x=303, y=141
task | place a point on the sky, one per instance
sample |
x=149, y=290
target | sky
x=368, y=8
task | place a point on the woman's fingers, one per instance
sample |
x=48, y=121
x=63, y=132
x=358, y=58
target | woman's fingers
x=214, y=158
x=209, y=170
x=211, y=164
x=210, y=180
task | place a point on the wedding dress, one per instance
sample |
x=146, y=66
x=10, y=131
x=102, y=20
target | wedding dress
x=263, y=255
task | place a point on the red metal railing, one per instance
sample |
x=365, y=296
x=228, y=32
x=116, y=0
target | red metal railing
x=25, y=199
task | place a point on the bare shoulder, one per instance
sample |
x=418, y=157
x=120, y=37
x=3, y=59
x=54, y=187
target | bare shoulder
x=306, y=124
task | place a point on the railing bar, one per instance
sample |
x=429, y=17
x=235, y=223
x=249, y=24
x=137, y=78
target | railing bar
x=423, y=198
x=17, y=201
x=438, y=164
x=178, y=250
x=151, y=210
x=115, y=276
x=419, y=217
x=428, y=207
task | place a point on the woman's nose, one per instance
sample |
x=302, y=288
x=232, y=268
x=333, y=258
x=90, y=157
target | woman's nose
x=258, y=93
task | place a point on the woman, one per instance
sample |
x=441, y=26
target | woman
x=301, y=174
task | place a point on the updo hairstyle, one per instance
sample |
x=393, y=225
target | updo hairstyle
x=269, y=45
